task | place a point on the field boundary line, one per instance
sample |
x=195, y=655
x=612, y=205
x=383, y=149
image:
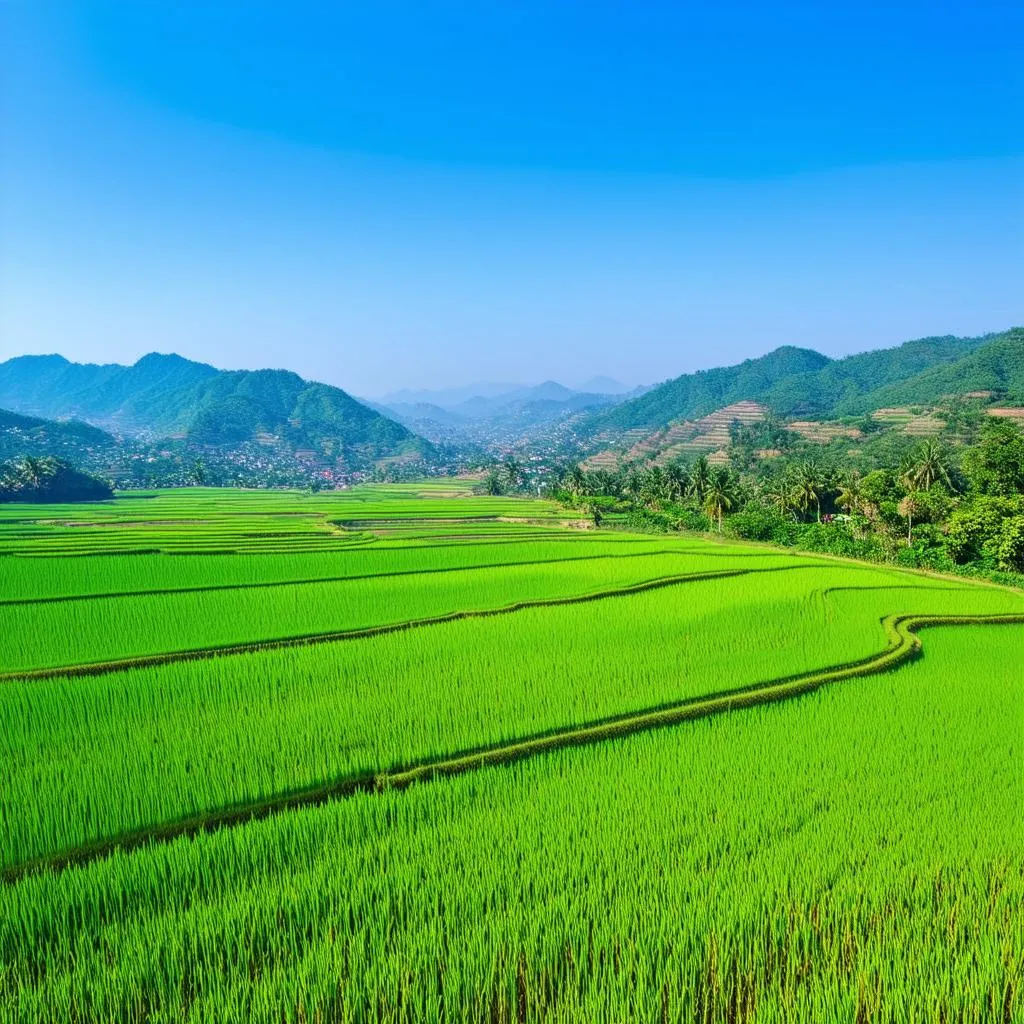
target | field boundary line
x=16, y=602
x=96, y=668
x=904, y=644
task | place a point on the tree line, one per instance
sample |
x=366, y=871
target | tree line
x=941, y=506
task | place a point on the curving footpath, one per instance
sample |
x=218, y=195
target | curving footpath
x=903, y=645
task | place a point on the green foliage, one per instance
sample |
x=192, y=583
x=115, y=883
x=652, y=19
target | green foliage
x=980, y=527
x=798, y=382
x=995, y=465
x=996, y=366
x=48, y=481
x=761, y=521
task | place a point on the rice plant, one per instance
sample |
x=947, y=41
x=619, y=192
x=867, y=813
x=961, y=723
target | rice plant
x=855, y=856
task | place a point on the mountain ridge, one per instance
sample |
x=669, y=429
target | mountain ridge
x=794, y=382
x=170, y=396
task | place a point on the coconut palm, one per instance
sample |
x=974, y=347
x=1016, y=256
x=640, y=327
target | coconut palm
x=652, y=487
x=700, y=478
x=635, y=482
x=929, y=465
x=907, y=508
x=778, y=492
x=575, y=481
x=851, y=496
x=808, y=487
x=675, y=481
x=719, y=495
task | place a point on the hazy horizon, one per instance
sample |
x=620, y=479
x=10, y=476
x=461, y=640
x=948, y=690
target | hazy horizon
x=550, y=192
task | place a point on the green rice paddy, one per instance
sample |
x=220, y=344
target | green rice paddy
x=407, y=754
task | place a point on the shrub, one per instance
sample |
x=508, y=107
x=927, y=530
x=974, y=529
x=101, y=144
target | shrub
x=762, y=522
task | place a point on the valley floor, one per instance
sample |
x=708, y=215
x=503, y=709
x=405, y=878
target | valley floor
x=405, y=754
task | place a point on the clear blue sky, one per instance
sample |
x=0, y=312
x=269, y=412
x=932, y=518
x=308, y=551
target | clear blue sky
x=422, y=194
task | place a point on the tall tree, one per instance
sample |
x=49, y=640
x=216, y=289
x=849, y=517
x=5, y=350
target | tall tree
x=808, y=486
x=851, y=495
x=700, y=478
x=719, y=495
x=513, y=472
x=930, y=465
x=575, y=481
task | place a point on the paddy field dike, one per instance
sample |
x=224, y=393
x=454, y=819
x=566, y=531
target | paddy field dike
x=405, y=754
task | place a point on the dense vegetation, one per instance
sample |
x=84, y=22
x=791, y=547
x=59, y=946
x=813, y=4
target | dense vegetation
x=386, y=636
x=997, y=366
x=798, y=382
x=28, y=435
x=48, y=480
x=927, y=503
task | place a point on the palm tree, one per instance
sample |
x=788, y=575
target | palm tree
x=652, y=488
x=907, y=507
x=850, y=495
x=576, y=481
x=779, y=494
x=635, y=482
x=676, y=481
x=930, y=465
x=719, y=495
x=700, y=478
x=808, y=488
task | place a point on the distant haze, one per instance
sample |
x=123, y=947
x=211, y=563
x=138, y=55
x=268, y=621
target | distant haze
x=402, y=196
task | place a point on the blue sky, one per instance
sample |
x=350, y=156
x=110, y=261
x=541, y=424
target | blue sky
x=388, y=195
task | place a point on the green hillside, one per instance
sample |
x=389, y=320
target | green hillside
x=22, y=436
x=997, y=366
x=696, y=394
x=800, y=382
x=166, y=395
x=845, y=385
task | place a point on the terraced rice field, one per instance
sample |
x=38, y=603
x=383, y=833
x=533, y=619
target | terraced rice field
x=406, y=754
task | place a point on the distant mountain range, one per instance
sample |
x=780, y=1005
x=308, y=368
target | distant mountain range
x=795, y=382
x=465, y=399
x=494, y=411
x=168, y=396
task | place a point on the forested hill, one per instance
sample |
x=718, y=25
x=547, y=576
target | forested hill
x=801, y=382
x=29, y=435
x=997, y=367
x=696, y=394
x=166, y=395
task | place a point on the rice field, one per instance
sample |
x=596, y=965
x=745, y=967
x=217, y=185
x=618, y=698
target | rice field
x=482, y=765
